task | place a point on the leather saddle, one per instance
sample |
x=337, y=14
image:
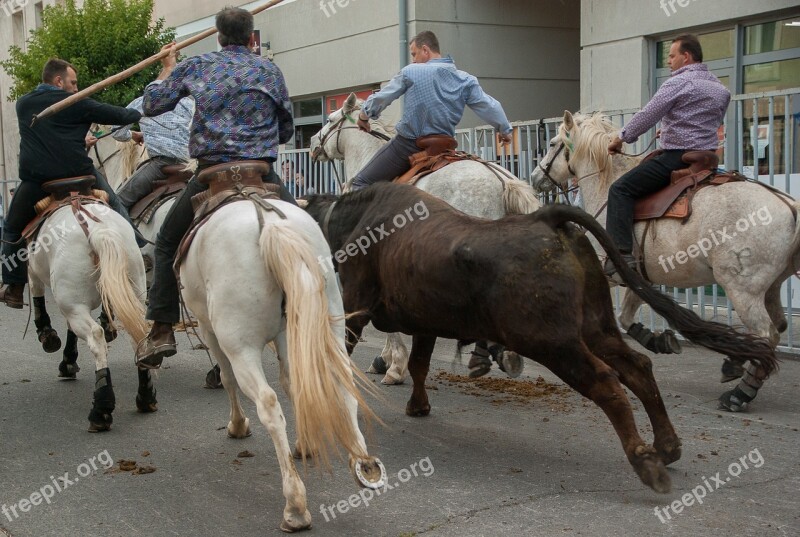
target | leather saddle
x=438, y=150
x=163, y=190
x=675, y=200
x=228, y=183
x=74, y=191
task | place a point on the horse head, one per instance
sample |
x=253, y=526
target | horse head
x=325, y=144
x=579, y=150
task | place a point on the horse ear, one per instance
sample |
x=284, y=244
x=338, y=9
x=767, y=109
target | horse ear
x=302, y=203
x=350, y=103
x=569, y=122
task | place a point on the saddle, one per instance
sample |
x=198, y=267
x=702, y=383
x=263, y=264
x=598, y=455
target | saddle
x=228, y=183
x=438, y=150
x=675, y=201
x=163, y=190
x=73, y=191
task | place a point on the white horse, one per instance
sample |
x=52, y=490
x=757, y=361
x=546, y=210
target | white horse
x=269, y=284
x=484, y=191
x=740, y=235
x=83, y=273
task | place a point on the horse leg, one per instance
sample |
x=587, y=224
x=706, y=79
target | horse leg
x=248, y=371
x=106, y=321
x=146, y=394
x=636, y=373
x=418, y=365
x=772, y=301
x=737, y=399
x=395, y=354
x=281, y=345
x=69, y=366
x=47, y=336
x=81, y=322
x=592, y=378
x=657, y=342
x=239, y=425
x=355, y=326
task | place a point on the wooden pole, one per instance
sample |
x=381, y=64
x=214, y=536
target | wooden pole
x=127, y=73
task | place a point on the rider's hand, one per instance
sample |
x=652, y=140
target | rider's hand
x=169, y=61
x=615, y=146
x=137, y=137
x=658, y=133
x=504, y=139
x=363, y=123
x=90, y=140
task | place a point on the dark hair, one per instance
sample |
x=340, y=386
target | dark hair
x=235, y=26
x=426, y=38
x=55, y=67
x=689, y=43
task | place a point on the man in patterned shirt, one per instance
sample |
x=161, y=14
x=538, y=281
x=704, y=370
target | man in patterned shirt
x=435, y=96
x=166, y=138
x=242, y=112
x=691, y=106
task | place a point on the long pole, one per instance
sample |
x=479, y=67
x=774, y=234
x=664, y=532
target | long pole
x=127, y=73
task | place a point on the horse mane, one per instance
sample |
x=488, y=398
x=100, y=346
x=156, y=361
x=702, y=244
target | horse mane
x=592, y=134
x=379, y=125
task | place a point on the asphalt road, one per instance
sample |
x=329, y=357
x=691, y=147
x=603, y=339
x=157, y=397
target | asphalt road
x=486, y=463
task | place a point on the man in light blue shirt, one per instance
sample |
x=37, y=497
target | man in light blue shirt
x=166, y=138
x=436, y=94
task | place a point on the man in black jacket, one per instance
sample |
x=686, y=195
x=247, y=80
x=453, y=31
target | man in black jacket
x=54, y=149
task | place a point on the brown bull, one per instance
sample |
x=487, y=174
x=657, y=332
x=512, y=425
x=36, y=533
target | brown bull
x=410, y=263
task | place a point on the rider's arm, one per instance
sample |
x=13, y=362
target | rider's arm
x=124, y=134
x=106, y=114
x=164, y=95
x=646, y=118
x=487, y=107
x=378, y=102
x=283, y=108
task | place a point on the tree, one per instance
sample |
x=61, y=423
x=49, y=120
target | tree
x=102, y=39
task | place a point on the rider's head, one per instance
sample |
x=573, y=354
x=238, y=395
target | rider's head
x=685, y=50
x=424, y=46
x=60, y=74
x=235, y=26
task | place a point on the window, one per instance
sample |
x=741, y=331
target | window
x=308, y=108
x=38, y=9
x=18, y=29
x=771, y=36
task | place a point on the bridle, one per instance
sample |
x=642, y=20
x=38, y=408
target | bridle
x=336, y=129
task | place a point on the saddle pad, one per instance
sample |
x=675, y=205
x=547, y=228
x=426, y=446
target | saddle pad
x=163, y=192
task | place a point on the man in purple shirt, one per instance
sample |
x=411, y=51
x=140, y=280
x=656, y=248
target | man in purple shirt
x=242, y=112
x=691, y=106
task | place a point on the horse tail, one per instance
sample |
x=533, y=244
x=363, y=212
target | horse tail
x=320, y=371
x=519, y=197
x=116, y=288
x=715, y=336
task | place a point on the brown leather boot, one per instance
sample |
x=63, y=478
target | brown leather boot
x=158, y=344
x=11, y=294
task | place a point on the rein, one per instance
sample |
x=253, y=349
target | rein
x=327, y=220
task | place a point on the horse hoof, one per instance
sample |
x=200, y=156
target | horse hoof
x=214, y=379
x=728, y=401
x=370, y=473
x=68, y=371
x=378, y=366
x=50, y=340
x=391, y=380
x=668, y=343
x=291, y=524
x=238, y=434
x=146, y=405
x=651, y=470
x=110, y=335
x=415, y=412
x=99, y=427
x=731, y=371
x=512, y=364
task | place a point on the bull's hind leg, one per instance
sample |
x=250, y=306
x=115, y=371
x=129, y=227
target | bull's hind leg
x=636, y=372
x=419, y=363
x=593, y=379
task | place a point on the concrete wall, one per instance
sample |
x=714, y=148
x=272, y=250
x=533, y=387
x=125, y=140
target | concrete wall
x=616, y=56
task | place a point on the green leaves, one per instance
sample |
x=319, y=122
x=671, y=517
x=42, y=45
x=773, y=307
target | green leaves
x=102, y=39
